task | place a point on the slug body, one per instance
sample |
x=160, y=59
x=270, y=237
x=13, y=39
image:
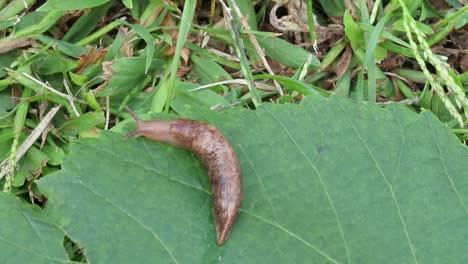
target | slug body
x=213, y=149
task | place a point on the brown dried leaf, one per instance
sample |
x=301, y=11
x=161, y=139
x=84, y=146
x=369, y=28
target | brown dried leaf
x=464, y=63
x=94, y=56
x=169, y=22
x=127, y=47
x=185, y=54
x=9, y=45
x=296, y=18
x=106, y=75
x=344, y=61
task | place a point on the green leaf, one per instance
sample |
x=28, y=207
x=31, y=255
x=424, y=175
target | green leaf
x=6, y=23
x=126, y=73
x=20, y=77
x=71, y=4
x=372, y=42
x=398, y=25
x=205, y=54
x=170, y=77
x=343, y=84
x=30, y=165
x=149, y=40
x=5, y=61
x=128, y=3
x=92, y=102
x=333, y=8
x=202, y=98
x=292, y=84
x=47, y=63
x=82, y=123
x=327, y=181
x=352, y=30
x=65, y=47
x=166, y=4
x=86, y=23
x=462, y=20
x=384, y=34
x=30, y=20
x=276, y=49
x=380, y=53
x=332, y=54
x=26, y=237
x=54, y=153
x=79, y=79
x=37, y=22
x=208, y=70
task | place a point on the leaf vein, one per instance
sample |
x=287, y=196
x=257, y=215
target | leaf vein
x=445, y=167
x=32, y=252
x=322, y=183
x=403, y=141
x=262, y=184
x=105, y=199
x=371, y=154
x=149, y=169
x=291, y=234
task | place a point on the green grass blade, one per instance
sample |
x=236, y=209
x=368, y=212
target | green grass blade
x=235, y=25
x=18, y=126
x=370, y=57
x=128, y=3
x=311, y=22
x=148, y=38
x=71, y=4
x=15, y=7
x=47, y=22
x=101, y=32
x=185, y=24
x=295, y=85
x=86, y=23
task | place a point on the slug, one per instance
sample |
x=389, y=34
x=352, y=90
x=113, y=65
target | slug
x=217, y=155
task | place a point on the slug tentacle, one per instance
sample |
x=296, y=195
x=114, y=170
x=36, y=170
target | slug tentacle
x=137, y=118
x=137, y=132
x=220, y=160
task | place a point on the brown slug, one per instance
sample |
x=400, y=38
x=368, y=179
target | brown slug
x=220, y=160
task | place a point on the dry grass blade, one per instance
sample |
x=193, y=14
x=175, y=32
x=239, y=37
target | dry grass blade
x=235, y=81
x=35, y=134
x=240, y=50
x=69, y=99
x=257, y=47
x=48, y=87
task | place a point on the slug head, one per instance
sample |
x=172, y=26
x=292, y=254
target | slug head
x=157, y=130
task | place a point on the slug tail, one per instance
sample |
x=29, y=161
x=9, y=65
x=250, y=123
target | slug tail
x=221, y=237
x=223, y=228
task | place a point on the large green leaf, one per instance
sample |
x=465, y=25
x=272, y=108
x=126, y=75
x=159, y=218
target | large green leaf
x=25, y=235
x=327, y=181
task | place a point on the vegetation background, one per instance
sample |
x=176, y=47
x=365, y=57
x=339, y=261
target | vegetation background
x=348, y=118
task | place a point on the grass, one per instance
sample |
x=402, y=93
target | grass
x=92, y=58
